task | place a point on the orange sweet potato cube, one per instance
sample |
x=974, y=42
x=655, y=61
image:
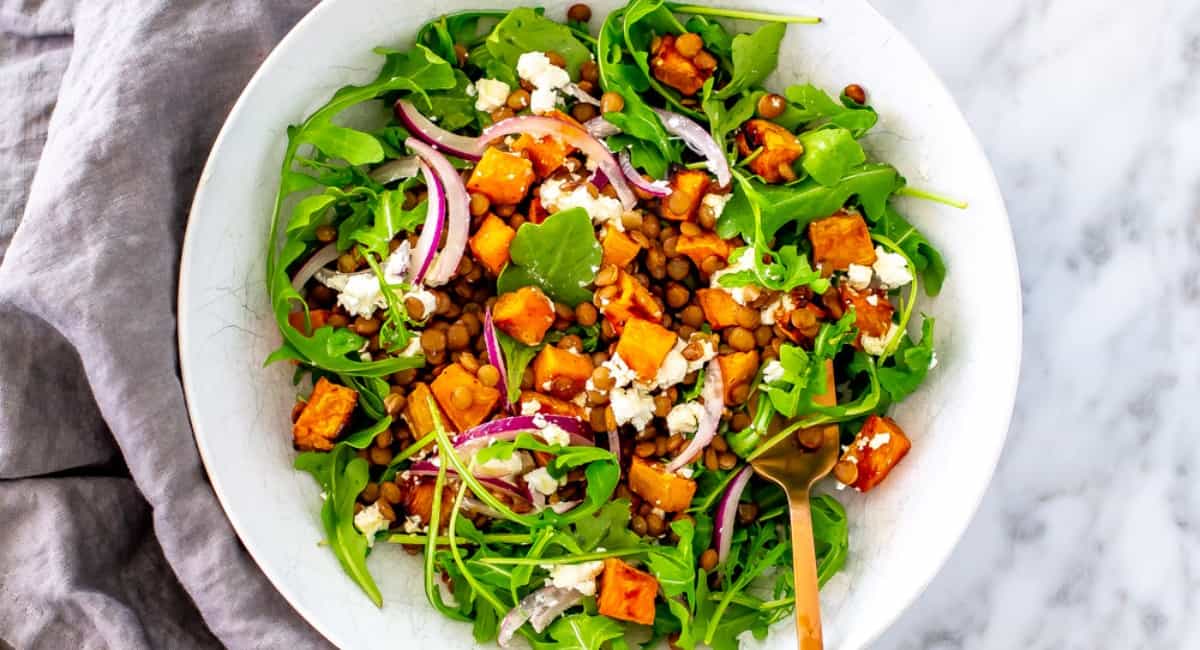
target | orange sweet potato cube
x=619, y=248
x=490, y=243
x=484, y=399
x=780, y=149
x=644, y=345
x=552, y=405
x=537, y=213
x=872, y=310
x=524, y=314
x=324, y=416
x=688, y=188
x=703, y=246
x=737, y=369
x=418, y=412
x=841, y=240
x=562, y=373
x=672, y=68
x=667, y=491
x=418, y=502
x=503, y=177
x=317, y=318
x=877, y=448
x=627, y=594
x=720, y=309
x=633, y=300
x=547, y=153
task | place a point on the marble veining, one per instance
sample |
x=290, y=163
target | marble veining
x=1090, y=113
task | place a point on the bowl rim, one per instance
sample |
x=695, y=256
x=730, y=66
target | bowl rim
x=944, y=97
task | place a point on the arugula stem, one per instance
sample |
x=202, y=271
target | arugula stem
x=930, y=196
x=568, y=559
x=404, y=538
x=906, y=314
x=581, y=32
x=411, y=450
x=752, y=602
x=432, y=591
x=457, y=556
x=700, y=10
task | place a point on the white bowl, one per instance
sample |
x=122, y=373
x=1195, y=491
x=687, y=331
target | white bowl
x=900, y=533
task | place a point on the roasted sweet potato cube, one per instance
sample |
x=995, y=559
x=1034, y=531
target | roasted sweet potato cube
x=667, y=491
x=676, y=70
x=562, y=373
x=872, y=310
x=537, y=213
x=780, y=149
x=317, y=318
x=619, y=248
x=490, y=243
x=841, y=240
x=703, y=246
x=484, y=399
x=524, y=314
x=547, y=153
x=644, y=345
x=418, y=413
x=324, y=416
x=720, y=309
x=737, y=369
x=688, y=187
x=418, y=501
x=801, y=323
x=877, y=448
x=501, y=176
x=632, y=300
x=627, y=594
x=551, y=405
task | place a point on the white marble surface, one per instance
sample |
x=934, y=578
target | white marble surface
x=1089, y=536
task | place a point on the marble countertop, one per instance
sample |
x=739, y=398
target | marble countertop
x=1090, y=113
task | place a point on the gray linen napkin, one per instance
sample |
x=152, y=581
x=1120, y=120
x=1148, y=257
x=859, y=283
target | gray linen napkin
x=110, y=535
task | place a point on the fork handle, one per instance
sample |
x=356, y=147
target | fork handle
x=804, y=571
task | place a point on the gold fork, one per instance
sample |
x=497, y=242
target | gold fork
x=795, y=464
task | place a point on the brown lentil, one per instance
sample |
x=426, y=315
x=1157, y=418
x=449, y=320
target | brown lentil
x=705, y=61
x=771, y=106
x=611, y=102
x=692, y=315
x=712, y=264
x=810, y=438
x=460, y=54
x=346, y=263
x=708, y=559
x=748, y=318
x=638, y=524
x=370, y=492
x=502, y=113
x=326, y=233
x=846, y=472
x=390, y=492
x=590, y=71
x=433, y=340
x=579, y=13
x=518, y=99
x=586, y=314
x=856, y=94
x=365, y=326
x=457, y=337
x=679, y=203
x=747, y=512
x=677, y=294
x=385, y=509
x=660, y=445
x=710, y=459
x=689, y=44
x=556, y=59
x=606, y=276
x=740, y=339
x=583, y=112
x=380, y=456
x=727, y=460
x=488, y=375
x=655, y=524
x=479, y=204
x=644, y=449
x=394, y=403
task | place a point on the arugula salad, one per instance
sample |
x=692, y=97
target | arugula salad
x=577, y=274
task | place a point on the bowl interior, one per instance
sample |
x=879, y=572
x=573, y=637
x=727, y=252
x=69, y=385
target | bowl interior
x=900, y=533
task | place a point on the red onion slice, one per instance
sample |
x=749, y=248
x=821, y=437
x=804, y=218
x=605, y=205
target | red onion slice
x=698, y=139
x=572, y=135
x=655, y=188
x=580, y=94
x=427, y=468
x=460, y=146
x=598, y=127
x=508, y=429
x=727, y=510
x=714, y=402
x=431, y=232
x=319, y=259
x=598, y=178
x=394, y=170
x=539, y=608
x=458, y=217
x=495, y=355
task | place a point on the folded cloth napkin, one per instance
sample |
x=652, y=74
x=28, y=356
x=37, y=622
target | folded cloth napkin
x=110, y=535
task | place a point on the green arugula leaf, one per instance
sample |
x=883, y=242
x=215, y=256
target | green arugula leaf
x=608, y=528
x=755, y=56
x=453, y=109
x=651, y=147
x=362, y=438
x=924, y=255
x=809, y=104
x=831, y=535
x=580, y=632
x=722, y=119
x=788, y=269
x=716, y=39
x=560, y=256
x=641, y=21
x=675, y=568
x=910, y=364
x=389, y=218
x=517, y=357
x=526, y=30
x=829, y=154
x=804, y=376
x=443, y=33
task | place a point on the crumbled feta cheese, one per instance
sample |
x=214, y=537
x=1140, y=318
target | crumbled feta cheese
x=362, y=295
x=708, y=351
x=540, y=481
x=674, y=367
x=716, y=202
x=428, y=301
x=778, y=310
x=875, y=345
x=540, y=421
x=493, y=93
x=397, y=263
x=933, y=360
x=471, y=92
x=555, y=435
x=543, y=100
x=684, y=419
x=499, y=467
x=621, y=374
x=581, y=577
x=632, y=406
x=773, y=371
x=535, y=67
x=891, y=268
x=873, y=300
x=741, y=295
x=412, y=524
x=686, y=472
x=413, y=348
x=879, y=440
x=529, y=407
x=601, y=209
x=859, y=276
x=369, y=521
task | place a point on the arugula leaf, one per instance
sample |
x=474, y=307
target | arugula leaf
x=804, y=375
x=362, y=438
x=754, y=57
x=809, y=104
x=924, y=255
x=722, y=119
x=442, y=33
x=716, y=39
x=829, y=154
x=788, y=269
x=526, y=30
x=517, y=357
x=580, y=632
x=766, y=548
x=910, y=364
x=608, y=528
x=652, y=148
x=643, y=154
x=389, y=219
x=831, y=536
x=641, y=21
x=453, y=109
x=559, y=255
x=675, y=568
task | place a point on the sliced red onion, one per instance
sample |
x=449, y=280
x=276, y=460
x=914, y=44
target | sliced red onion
x=598, y=127
x=572, y=135
x=508, y=429
x=460, y=146
x=319, y=259
x=495, y=355
x=427, y=468
x=540, y=608
x=458, y=217
x=614, y=445
x=698, y=139
x=475, y=506
x=714, y=402
x=394, y=170
x=580, y=94
x=598, y=178
x=431, y=232
x=655, y=188
x=727, y=510
x=563, y=507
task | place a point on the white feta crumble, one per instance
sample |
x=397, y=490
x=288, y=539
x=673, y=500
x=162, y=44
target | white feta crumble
x=362, y=295
x=500, y=467
x=708, y=351
x=773, y=371
x=413, y=348
x=540, y=481
x=555, y=435
x=873, y=300
x=369, y=521
x=427, y=299
x=546, y=78
x=412, y=524
x=771, y=313
x=621, y=374
x=543, y=100
x=529, y=407
x=684, y=419
x=891, y=268
x=397, y=263
x=933, y=360
x=632, y=406
x=492, y=94
x=742, y=295
x=581, y=577
x=859, y=276
x=686, y=472
x=674, y=367
x=879, y=440
x=875, y=345
x=716, y=202
x=601, y=209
